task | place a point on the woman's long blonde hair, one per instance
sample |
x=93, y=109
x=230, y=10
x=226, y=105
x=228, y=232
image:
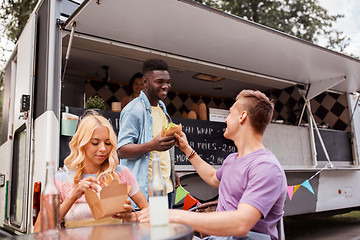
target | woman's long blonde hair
x=75, y=161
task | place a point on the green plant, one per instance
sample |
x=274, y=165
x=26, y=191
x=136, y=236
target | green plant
x=95, y=102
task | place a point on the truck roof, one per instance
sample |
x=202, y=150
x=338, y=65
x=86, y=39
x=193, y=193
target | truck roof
x=199, y=38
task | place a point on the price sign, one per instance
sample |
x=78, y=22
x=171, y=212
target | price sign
x=207, y=139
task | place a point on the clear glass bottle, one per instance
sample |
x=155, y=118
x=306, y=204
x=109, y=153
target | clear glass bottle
x=158, y=200
x=50, y=202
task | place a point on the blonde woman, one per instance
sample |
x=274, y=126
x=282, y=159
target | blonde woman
x=92, y=163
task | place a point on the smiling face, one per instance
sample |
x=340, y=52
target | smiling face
x=157, y=86
x=97, y=150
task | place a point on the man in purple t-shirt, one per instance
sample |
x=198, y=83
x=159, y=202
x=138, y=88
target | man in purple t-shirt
x=251, y=182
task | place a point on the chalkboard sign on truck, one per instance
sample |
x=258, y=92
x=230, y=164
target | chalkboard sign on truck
x=207, y=139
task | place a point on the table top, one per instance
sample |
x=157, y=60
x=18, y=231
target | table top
x=128, y=231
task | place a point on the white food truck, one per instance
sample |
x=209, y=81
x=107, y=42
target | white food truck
x=71, y=50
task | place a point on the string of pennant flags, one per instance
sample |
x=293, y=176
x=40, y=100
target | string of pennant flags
x=293, y=188
x=190, y=201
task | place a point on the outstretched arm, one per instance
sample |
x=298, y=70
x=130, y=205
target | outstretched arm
x=133, y=151
x=205, y=170
x=233, y=223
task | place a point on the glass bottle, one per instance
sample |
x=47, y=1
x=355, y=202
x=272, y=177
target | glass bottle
x=50, y=202
x=158, y=200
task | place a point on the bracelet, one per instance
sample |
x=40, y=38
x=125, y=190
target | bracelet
x=192, y=154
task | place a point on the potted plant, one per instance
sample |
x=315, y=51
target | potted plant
x=96, y=102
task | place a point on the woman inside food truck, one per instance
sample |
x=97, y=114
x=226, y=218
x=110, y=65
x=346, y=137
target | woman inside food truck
x=136, y=84
x=92, y=164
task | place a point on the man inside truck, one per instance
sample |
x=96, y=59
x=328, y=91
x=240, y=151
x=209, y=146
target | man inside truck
x=251, y=182
x=141, y=122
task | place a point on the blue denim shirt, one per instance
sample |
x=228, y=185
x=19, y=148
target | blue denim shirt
x=136, y=127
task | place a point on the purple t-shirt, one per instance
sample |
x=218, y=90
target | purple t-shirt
x=258, y=180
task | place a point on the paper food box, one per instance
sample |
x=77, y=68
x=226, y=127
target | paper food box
x=112, y=200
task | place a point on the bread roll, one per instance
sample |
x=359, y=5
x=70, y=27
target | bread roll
x=184, y=115
x=203, y=112
x=192, y=115
x=170, y=129
x=116, y=106
x=195, y=108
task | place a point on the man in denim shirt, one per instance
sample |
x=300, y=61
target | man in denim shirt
x=140, y=124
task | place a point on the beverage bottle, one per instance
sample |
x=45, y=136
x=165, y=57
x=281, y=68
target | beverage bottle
x=158, y=200
x=50, y=202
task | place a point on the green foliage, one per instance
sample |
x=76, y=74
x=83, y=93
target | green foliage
x=95, y=102
x=1, y=105
x=304, y=19
x=13, y=18
x=14, y=15
x=2, y=77
x=338, y=42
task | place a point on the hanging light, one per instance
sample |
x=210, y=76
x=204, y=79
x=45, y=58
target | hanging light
x=207, y=77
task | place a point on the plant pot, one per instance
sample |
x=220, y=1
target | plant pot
x=68, y=127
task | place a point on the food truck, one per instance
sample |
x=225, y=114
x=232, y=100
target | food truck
x=71, y=50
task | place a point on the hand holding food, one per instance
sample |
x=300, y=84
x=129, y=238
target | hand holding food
x=83, y=185
x=144, y=215
x=128, y=215
x=170, y=129
x=160, y=143
x=182, y=142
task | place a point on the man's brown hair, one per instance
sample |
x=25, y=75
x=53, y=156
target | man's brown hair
x=259, y=108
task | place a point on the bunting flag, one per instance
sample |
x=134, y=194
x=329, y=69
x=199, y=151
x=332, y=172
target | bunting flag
x=180, y=194
x=189, y=202
x=296, y=187
x=308, y=186
x=290, y=190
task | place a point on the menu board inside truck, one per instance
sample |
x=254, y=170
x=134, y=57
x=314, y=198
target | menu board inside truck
x=207, y=139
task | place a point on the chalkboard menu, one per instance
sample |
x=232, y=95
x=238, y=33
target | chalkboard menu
x=207, y=139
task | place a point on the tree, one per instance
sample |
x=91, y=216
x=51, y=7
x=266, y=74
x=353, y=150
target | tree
x=304, y=19
x=13, y=17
